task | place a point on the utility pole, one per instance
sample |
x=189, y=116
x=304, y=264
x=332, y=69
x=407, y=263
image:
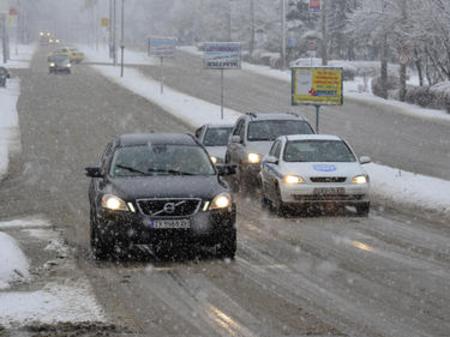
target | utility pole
x=110, y=41
x=384, y=55
x=114, y=30
x=122, y=38
x=4, y=37
x=404, y=58
x=283, y=34
x=252, y=27
x=230, y=19
x=323, y=15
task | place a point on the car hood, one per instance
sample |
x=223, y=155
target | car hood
x=323, y=169
x=217, y=151
x=259, y=147
x=131, y=188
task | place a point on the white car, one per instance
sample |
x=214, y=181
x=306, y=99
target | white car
x=305, y=170
x=215, y=138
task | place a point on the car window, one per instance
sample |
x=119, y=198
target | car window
x=318, y=151
x=237, y=129
x=157, y=159
x=267, y=130
x=275, y=149
x=217, y=136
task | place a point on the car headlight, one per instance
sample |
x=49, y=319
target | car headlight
x=293, y=180
x=69, y=65
x=114, y=203
x=214, y=160
x=254, y=158
x=360, y=180
x=52, y=64
x=221, y=201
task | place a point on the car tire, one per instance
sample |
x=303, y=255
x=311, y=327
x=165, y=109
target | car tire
x=98, y=247
x=363, y=210
x=228, y=246
x=278, y=205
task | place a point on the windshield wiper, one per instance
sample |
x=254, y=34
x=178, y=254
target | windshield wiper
x=174, y=172
x=131, y=169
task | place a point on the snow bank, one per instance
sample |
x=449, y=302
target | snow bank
x=13, y=263
x=409, y=188
x=131, y=57
x=54, y=303
x=192, y=110
x=8, y=121
x=22, y=59
x=31, y=222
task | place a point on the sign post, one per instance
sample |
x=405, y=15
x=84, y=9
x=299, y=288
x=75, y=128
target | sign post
x=162, y=47
x=317, y=86
x=222, y=56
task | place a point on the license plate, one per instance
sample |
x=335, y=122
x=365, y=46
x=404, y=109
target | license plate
x=169, y=224
x=329, y=191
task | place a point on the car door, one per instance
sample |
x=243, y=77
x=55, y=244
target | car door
x=271, y=169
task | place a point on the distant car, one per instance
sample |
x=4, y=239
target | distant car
x=59, y=63
x=159, y=190
x=4, y=75
x=304, y=170
x=215, y=138
x=73, y=53
x=252, y=138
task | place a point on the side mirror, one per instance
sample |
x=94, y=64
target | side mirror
x=271, y=160
x=94, y=172
x=365, y=160
x=226, y=170
x=236, y=140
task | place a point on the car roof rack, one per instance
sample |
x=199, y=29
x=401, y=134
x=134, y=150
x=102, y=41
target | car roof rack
x=293, y=114
x=251, y=114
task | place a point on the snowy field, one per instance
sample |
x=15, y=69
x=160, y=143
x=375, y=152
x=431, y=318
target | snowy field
x=101, y=55
x=58, y=299
x=352, y=90
x=22, y=59
x=391, y=184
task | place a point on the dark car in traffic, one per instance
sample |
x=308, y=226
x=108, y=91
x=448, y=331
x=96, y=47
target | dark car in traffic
x=160, y=190
x=59, y=63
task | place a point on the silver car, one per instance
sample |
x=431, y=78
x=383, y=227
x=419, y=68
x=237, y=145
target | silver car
x=215, y=137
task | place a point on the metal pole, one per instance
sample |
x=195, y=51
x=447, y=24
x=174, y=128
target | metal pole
x=115, y=32
x=122, y=38
x=323, y=14
x=4, y=40
x=283, y=33
x=230, y=20
x=221, y=93
x=317, y=118
x=162, y=75
x=110, y=29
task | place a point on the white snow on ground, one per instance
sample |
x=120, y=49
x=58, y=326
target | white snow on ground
x=410, y=188
x=407, y=188
x=54, y=303
x=192, y=110
x=351, y=90
x=131, y=57
x=23, y=57
x=31, y=222
x=13, y=263
x=8, y=122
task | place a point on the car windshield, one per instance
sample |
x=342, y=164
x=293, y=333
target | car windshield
x=217, y=136
x=318, y=151
x=269, y=130
x=58, y=58
x=153, y=160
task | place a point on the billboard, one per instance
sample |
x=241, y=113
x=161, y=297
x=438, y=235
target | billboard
x=162, y=46
x=317, y=86
x=222, y=55
x=314, y=6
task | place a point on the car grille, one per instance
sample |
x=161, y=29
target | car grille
x=328, y=179
x=328, y=197
x=169, y=207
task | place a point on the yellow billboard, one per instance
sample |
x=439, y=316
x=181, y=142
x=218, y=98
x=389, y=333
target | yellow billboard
x=317, y=86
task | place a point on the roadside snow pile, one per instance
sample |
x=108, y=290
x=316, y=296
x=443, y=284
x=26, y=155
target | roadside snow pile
x=54, y=303
x=13, y=262
x=131, y=57
x=8, y=122
x=22, y=59
x=194, y=111
x=409, y=188
x=31, y=222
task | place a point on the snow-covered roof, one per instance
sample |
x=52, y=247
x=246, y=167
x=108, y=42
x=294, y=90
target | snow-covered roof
x=312, y=137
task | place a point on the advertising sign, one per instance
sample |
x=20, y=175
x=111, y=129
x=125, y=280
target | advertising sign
x=314, y=6
x=317, y=86
x=162, y=46
x=222, y=55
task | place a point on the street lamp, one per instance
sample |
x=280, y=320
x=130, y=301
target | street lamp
x=122, y=38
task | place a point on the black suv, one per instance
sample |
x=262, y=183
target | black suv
x=160, y=190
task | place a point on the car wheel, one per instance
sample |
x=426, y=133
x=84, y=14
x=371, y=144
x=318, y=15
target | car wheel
x=98, y=247
x=265, y=202
x=227, y=248
x=278, y=205
x=363, y=209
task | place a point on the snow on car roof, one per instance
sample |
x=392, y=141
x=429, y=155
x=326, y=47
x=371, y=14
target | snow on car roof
x=312, y=137
x=221, y=125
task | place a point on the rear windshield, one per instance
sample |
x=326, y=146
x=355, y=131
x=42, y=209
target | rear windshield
x=318, y=151
x=217, y=136
x=270, y=130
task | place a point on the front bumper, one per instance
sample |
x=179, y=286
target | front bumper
x=344, y=194
x=250, y=173
x=208, y=228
